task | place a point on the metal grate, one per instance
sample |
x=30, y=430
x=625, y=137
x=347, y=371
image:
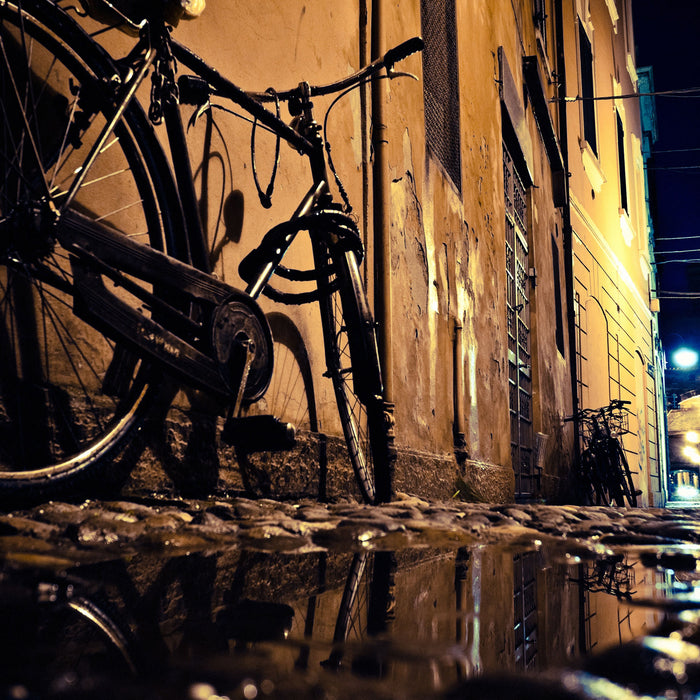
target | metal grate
x=525, y=610
x=441, y=85
x=518, y=324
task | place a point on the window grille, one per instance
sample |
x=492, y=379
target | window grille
x=518, y=325
x=525, y=609
x=441, y=85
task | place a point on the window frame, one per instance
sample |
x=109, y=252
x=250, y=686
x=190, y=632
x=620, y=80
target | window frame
x=589, y=117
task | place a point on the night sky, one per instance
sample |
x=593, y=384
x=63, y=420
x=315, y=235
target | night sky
x=667, y=35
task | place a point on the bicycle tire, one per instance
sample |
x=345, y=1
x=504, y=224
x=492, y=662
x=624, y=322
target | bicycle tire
x=64, y=630
x=591, y=474
x=610, y=473
x=625, y=475
x=290, y=398
x=63, y=415
x=353, y=365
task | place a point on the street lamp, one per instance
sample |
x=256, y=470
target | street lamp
x=685, y=358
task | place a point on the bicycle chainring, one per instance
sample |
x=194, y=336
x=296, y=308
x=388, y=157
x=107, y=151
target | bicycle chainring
x=238, y=328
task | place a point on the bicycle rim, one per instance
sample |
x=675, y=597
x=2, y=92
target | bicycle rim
x=351, y=357
x=366, y=610
x=69, y=396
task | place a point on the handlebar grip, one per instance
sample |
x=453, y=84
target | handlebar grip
x=403, y=50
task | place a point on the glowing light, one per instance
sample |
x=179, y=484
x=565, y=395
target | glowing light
x=692, y=436
x=686, y=493
x=691, y=453
x=685, y=357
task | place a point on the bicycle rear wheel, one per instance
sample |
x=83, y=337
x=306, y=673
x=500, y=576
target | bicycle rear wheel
x=353, y=365
x=610, y=473
x=69, y=396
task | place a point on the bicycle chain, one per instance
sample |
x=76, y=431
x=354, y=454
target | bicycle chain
x=164, y=88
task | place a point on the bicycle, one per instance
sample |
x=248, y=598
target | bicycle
x=103, y=296
x=604, y=474
x=611, y=575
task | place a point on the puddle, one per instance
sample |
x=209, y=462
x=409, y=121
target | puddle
x=481, y=621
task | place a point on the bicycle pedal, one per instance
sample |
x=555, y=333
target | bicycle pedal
x=263, y=433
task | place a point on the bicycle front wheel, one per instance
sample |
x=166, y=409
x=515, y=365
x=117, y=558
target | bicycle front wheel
x=69, y=396
x=625, y=475
x=353, y=365
x=592, y=482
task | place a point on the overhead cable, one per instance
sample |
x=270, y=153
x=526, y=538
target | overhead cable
x=663, y=93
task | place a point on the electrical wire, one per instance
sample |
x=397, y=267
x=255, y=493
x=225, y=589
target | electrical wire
x=676, y=238
x=634, y=95
x=685, y=260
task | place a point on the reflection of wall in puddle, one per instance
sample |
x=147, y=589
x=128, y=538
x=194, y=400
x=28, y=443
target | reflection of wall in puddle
x=455, y=615
x=609, y=619
x=420, y=620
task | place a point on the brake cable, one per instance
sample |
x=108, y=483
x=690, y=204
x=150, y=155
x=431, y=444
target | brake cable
x=266, y=196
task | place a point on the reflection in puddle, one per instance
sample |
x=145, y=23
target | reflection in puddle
x=412, y=623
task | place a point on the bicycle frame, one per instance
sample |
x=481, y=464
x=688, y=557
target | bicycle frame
x=98, y=251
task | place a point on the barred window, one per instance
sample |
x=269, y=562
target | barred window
x=441, y=85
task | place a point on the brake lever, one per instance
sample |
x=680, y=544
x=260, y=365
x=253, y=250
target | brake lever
x=391, y=74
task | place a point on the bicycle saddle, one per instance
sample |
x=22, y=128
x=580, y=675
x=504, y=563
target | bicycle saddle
x=128, y=14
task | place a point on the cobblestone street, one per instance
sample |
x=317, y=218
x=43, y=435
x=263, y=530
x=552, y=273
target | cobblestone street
x=106, y=528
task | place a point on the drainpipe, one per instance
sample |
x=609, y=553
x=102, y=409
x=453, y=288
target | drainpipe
x=567, y=233
x=382, y=227
x=381, y=213
x=460, y=441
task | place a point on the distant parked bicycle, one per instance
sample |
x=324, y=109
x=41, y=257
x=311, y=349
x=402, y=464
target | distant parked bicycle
x=101, y=292
x=604, y=475
x=612, y=575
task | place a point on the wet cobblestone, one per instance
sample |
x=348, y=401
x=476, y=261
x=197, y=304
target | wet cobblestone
x=118, y=527
x=128, y=558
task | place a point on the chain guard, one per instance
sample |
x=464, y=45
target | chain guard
x=239, y=327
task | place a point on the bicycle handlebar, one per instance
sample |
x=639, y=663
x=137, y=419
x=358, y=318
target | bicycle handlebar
x=587, y=413
x=391, y=57
x=208, y=81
